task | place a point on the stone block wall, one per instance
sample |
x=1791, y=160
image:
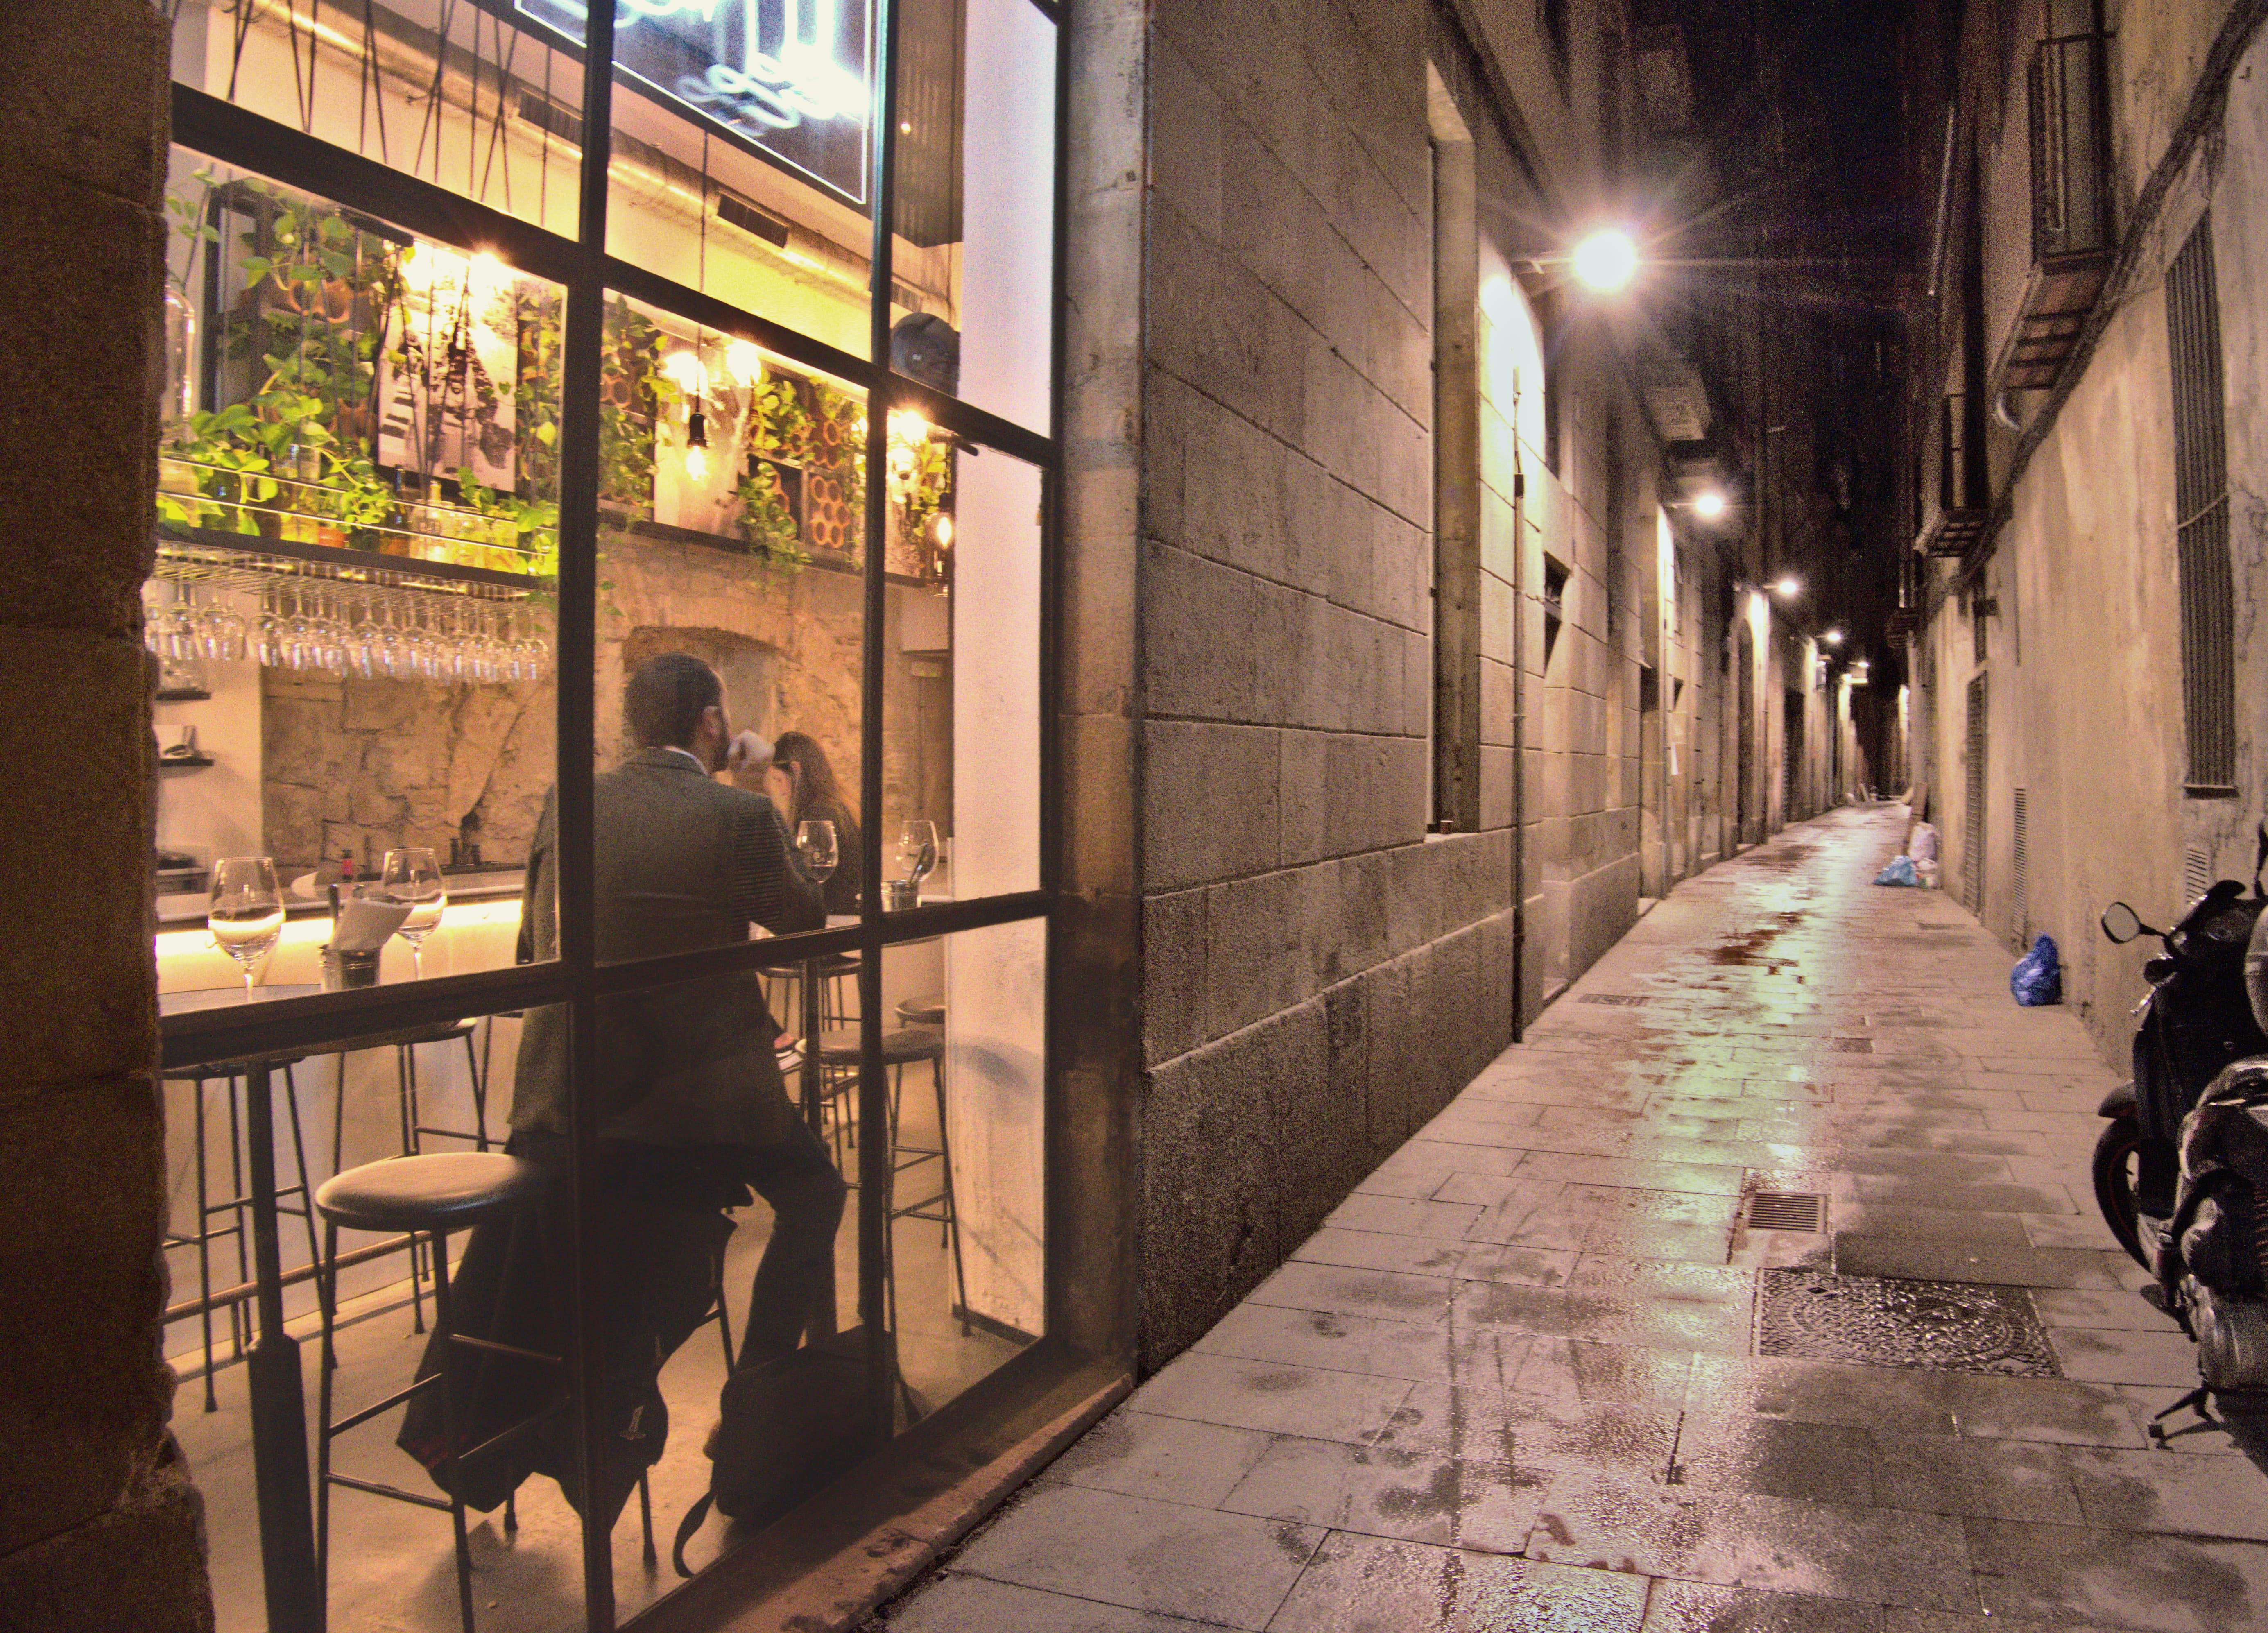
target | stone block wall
x=363, y=765
x=1319, y=975
x=100, y=1527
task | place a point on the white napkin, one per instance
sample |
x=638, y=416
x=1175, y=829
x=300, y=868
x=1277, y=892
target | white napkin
x=365, y=924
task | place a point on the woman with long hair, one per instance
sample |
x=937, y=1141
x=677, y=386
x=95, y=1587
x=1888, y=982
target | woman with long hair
x=804, y=786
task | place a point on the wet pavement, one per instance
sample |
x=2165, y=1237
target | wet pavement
x=1542, y=1374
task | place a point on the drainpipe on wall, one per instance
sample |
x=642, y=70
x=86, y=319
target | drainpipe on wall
x=1519, y=739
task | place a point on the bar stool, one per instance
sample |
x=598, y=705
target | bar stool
x=233, y=1072
x=405, y=1070
x=409, y=1117
x=838, y=991
x=902, y=1048
x=922, y=1011
x=432, y=1195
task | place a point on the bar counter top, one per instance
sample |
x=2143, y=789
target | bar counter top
x=187, y=909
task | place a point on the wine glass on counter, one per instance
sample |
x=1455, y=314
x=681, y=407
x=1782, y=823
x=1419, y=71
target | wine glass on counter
x=917, y=851
x=412, y=875
x=815, y=843
x=247, y=914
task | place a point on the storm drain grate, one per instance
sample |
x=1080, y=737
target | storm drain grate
x=1623, y=1000
x=1941, y=1326
x=1853, y=1046
x=1786, y=1211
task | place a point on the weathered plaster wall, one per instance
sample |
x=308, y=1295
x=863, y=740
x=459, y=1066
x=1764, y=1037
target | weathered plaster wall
x=1318, y=975
x=100, y=1527
x=2083, y=663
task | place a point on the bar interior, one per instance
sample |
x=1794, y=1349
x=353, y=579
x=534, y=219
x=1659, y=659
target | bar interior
x=357, y=621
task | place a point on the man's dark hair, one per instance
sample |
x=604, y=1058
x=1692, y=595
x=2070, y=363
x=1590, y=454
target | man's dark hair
x=664, y=699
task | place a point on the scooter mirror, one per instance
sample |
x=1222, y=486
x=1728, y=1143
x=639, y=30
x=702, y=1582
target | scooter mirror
x=2121, y=923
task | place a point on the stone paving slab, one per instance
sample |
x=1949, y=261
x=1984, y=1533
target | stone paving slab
x=1512, y=1384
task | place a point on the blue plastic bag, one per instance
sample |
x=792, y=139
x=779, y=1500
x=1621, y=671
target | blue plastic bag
x=1900, y=871
x=2038, y=977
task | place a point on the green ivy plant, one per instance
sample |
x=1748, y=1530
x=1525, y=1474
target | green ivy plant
x=767, y=524
x=316, y=366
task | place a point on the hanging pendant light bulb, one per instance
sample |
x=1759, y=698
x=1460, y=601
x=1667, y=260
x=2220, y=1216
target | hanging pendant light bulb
x=696, y=444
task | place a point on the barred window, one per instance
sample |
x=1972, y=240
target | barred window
x=2201, y=509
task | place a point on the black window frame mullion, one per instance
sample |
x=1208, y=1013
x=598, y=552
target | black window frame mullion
x=237, y=136
x=877, y=1158
x=1054, y=1121
x=582, y=347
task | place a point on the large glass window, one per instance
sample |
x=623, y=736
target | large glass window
x=601, y=625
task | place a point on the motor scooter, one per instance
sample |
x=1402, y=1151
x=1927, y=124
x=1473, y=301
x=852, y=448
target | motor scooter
x=2194, y=1021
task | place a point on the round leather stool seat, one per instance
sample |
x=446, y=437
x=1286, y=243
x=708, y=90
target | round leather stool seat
x=440, y=1192
x=898, y=1047
x=929, y=1012
x=834, y=964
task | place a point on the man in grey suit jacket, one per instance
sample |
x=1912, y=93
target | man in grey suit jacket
x=687, y=1072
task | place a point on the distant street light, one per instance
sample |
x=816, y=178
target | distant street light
x=1833, y=638
x=1709, y=504
x=1788, y=588
x=1606, y=262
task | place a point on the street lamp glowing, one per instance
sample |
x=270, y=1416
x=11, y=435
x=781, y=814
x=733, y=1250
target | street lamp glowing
x=1833, y=638
x=1788, y=588
x=1607, y=260
x=1709, y=504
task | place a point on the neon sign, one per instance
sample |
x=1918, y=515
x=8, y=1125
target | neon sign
x=792, y=79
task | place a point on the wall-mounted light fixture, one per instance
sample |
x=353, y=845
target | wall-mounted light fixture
x=1709, y=504
x=1788, y=588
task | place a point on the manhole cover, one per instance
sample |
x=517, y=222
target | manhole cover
x=1625, y=1000
x=1943, y=1327
x=1786, y=1211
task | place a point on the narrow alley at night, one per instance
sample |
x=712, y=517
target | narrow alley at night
x=1555, y=1366
x=1119, y=816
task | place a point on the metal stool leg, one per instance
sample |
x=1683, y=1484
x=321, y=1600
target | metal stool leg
x=416, y=1111
x=476, y=1067
x=327, y=1299
x=952, y=1229
x=645, y=1514
x=444, y=1324
x=204, y=1246
x=339, y=1112
x=405, y=1094
x=306, y=1187
x=238, y=1330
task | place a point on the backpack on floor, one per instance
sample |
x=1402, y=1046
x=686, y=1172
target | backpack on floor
x=783, y=1429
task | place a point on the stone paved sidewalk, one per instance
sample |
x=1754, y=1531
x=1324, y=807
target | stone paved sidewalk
x=1514, y=1384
